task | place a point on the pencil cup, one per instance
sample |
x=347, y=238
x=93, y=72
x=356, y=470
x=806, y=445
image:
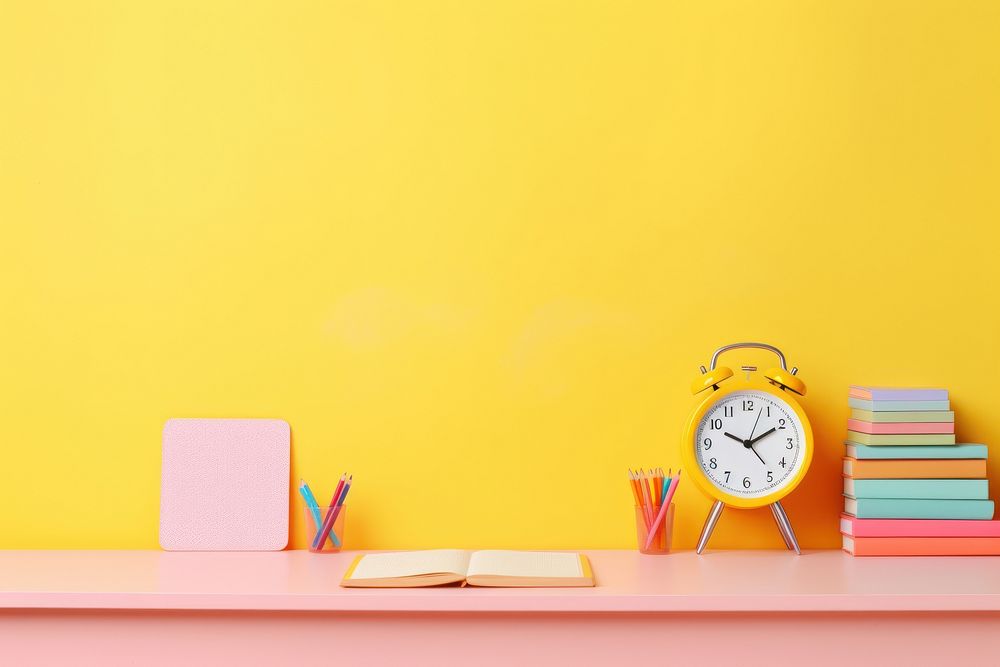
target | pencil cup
x=662, y=535
x=315, y=521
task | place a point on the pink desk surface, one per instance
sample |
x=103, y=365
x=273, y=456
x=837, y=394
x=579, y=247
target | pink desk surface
x=730, y=581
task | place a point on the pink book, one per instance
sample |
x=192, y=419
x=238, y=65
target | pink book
x=900, y=427
x=854, y=527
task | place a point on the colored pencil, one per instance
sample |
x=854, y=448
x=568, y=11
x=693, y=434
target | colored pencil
x=666, y=484
x=651, y=533
x=329, y=512
x=328, y=529
x=648, y=504
x=673, y=489
x=313, y=506
x=640, y=502
x=635, y=488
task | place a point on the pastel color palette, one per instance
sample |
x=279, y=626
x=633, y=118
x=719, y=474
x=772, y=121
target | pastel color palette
x=225, y=485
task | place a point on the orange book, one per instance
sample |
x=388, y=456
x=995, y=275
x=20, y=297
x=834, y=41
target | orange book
x=922, y=546
x=915, y=468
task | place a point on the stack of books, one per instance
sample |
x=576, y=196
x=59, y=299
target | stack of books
x=909, y=488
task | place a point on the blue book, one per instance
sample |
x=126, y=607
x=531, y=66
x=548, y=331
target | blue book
x=953, y=489
x=911, y=508
x=962, y=451
x=897, y=406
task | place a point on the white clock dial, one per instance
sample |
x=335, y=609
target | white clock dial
x=749, y=443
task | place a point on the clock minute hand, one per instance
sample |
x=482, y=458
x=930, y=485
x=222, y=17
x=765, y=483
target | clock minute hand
x=765, y=433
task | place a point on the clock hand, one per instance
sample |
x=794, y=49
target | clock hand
x=765, y=433
x=750, y=439
x=739, y=440
x=746, y=443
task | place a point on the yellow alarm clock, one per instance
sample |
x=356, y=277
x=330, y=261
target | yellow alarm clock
x=749, y=442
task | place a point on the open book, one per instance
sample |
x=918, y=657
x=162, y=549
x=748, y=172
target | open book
x=410, y=569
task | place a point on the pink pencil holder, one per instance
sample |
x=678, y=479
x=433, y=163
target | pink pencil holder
x=335, y=540
x=663, y=535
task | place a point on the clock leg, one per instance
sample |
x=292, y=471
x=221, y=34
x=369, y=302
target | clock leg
x=781, y=528
x=713, y=518
x=786, y=526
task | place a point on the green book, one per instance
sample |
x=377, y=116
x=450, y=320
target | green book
x=920, y=416
x=912, y=508
x=897, y=406
x=955, y=489
x=962, y=451
x=892, y=439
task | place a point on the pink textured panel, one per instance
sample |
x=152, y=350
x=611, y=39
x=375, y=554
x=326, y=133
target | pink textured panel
x=225, y=485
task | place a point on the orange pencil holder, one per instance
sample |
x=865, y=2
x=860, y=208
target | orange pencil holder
x=663, y=535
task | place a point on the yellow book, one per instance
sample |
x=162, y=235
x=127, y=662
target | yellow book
x=437, y=567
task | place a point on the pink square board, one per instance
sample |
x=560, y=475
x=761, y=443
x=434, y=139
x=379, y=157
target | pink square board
x=225, y=485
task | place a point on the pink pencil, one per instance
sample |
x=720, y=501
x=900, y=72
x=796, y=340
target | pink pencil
x=663, y=510
x=334, y=512
x=323, y=530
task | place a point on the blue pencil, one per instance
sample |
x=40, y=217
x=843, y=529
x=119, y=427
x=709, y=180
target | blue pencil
x=666, y=485
x=313, y=506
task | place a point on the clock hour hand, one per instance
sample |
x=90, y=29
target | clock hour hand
x=750, y=443
x=739, y=440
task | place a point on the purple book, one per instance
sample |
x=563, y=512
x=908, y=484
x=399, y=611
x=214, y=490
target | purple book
x=898, y=393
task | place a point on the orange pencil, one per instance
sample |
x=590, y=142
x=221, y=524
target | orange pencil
x=648, y=498
x=637, y=492
x=635, y=488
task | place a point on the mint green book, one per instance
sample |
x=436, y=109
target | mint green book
x=897, y=406
x=912, y=417
x=911, y=508
x=894, y=439
x=954, y=489
x=961, y=451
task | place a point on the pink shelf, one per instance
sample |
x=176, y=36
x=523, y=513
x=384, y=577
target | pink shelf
x=731, y=581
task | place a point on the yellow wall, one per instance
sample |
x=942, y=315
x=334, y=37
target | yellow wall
x=475, y=251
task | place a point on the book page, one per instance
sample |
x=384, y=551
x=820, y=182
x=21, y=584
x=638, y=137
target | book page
x=411, y=563
x=536, y=564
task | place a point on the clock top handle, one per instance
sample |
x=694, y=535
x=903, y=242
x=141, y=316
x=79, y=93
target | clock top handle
x=760, y=346
x=782, y=377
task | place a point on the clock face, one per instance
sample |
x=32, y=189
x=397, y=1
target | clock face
x=750, y=443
